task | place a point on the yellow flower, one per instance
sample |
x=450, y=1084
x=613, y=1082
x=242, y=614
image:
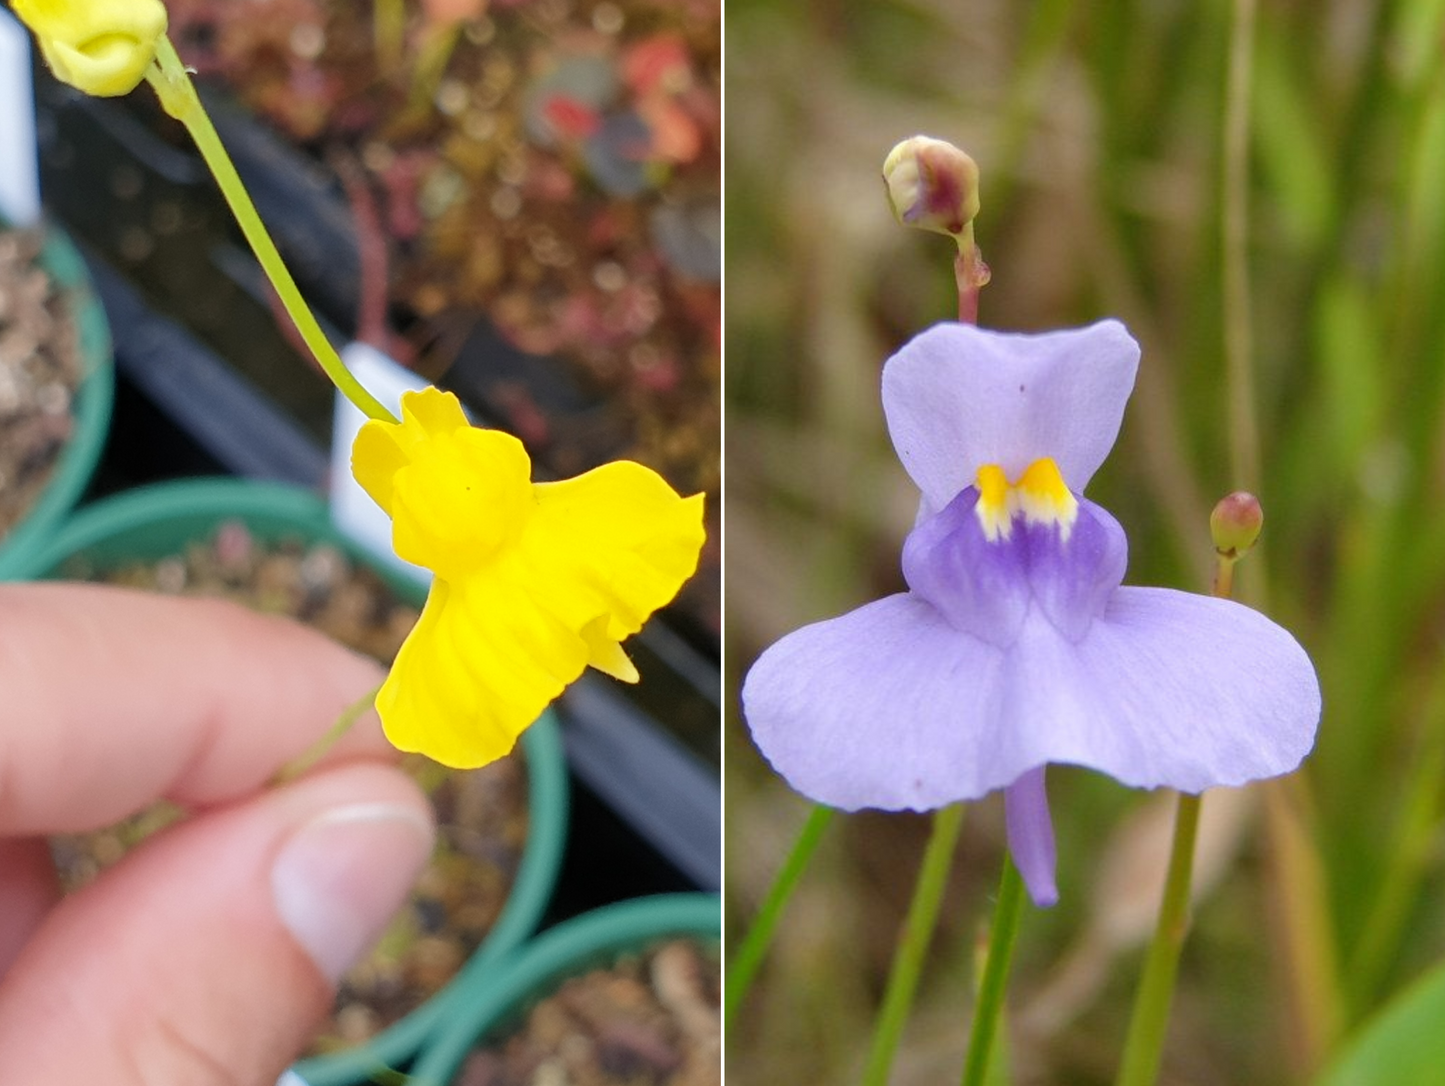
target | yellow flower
x=102, y=47
x=534, y=581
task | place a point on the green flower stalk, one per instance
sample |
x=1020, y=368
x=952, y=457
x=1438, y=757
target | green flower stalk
x=106, y=49
x=913, y=943
x=172, y=84
x=1234, y=527
x=759, y=937
x=999, y=957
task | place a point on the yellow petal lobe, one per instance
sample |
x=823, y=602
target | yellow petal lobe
x=478, y=668
x=605, y=654
x=431, y=412
x=623, y=540
x=376, y=457
x=102, y=47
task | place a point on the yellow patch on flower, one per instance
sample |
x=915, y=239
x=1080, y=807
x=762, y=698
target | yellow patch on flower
x=102, y=47
x=995, y=512
x=534, y=581
x=1040, y=495
x=1045, y=498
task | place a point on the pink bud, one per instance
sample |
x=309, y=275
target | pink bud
x=932, y=185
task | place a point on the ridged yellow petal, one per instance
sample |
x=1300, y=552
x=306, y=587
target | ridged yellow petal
x=621, y=543
x=433, y=411
x=479, y=667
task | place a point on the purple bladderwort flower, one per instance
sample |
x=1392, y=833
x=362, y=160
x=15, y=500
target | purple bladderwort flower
x=1015, y=645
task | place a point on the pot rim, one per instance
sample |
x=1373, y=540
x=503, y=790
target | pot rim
x=593, y=938
x=91, y=409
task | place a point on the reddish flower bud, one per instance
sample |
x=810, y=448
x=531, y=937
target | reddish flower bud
x=932, y=185
x=1235, y=523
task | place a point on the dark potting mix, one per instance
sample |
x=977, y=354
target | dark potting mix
x=481, y=814
x=652, y=1019
x=40, y=369
x=552, y=164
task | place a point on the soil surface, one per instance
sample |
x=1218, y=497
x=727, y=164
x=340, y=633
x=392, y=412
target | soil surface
x=40, y=369
x=650, y=1020
x=481, y=814
x=553, y=164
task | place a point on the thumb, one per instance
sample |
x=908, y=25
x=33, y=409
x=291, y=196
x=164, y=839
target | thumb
x=209, y=954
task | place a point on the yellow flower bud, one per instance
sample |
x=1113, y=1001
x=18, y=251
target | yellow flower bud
x=932, y=185
x=102, y=47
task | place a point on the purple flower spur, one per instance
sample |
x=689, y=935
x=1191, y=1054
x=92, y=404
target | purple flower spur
x=1015, y=645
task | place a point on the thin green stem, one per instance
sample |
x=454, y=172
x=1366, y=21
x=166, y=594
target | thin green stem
x=913, y=943
x=1224, y=577
x=178, y=96
x=1150, y=1019
x=754, y=948
x=1001, y=940
x=1238, y=335
x=319, y=749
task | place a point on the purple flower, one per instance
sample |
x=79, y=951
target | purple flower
x=1015, y=645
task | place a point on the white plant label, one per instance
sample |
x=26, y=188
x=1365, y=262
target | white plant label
x=19, y=170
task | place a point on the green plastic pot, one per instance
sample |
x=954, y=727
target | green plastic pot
x=94, y=398
x=493, y=1004
x=156, y=521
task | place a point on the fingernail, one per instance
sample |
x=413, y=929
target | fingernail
x=341, y=877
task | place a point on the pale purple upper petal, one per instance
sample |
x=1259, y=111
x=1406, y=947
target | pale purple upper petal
x=957, y=397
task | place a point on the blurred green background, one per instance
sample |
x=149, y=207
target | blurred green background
x=1099, y=131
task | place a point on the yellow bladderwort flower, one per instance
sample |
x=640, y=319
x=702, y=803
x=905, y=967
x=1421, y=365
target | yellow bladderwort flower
x=534, y=581
x=102, y=47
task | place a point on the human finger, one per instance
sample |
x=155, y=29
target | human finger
x=209, y=953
